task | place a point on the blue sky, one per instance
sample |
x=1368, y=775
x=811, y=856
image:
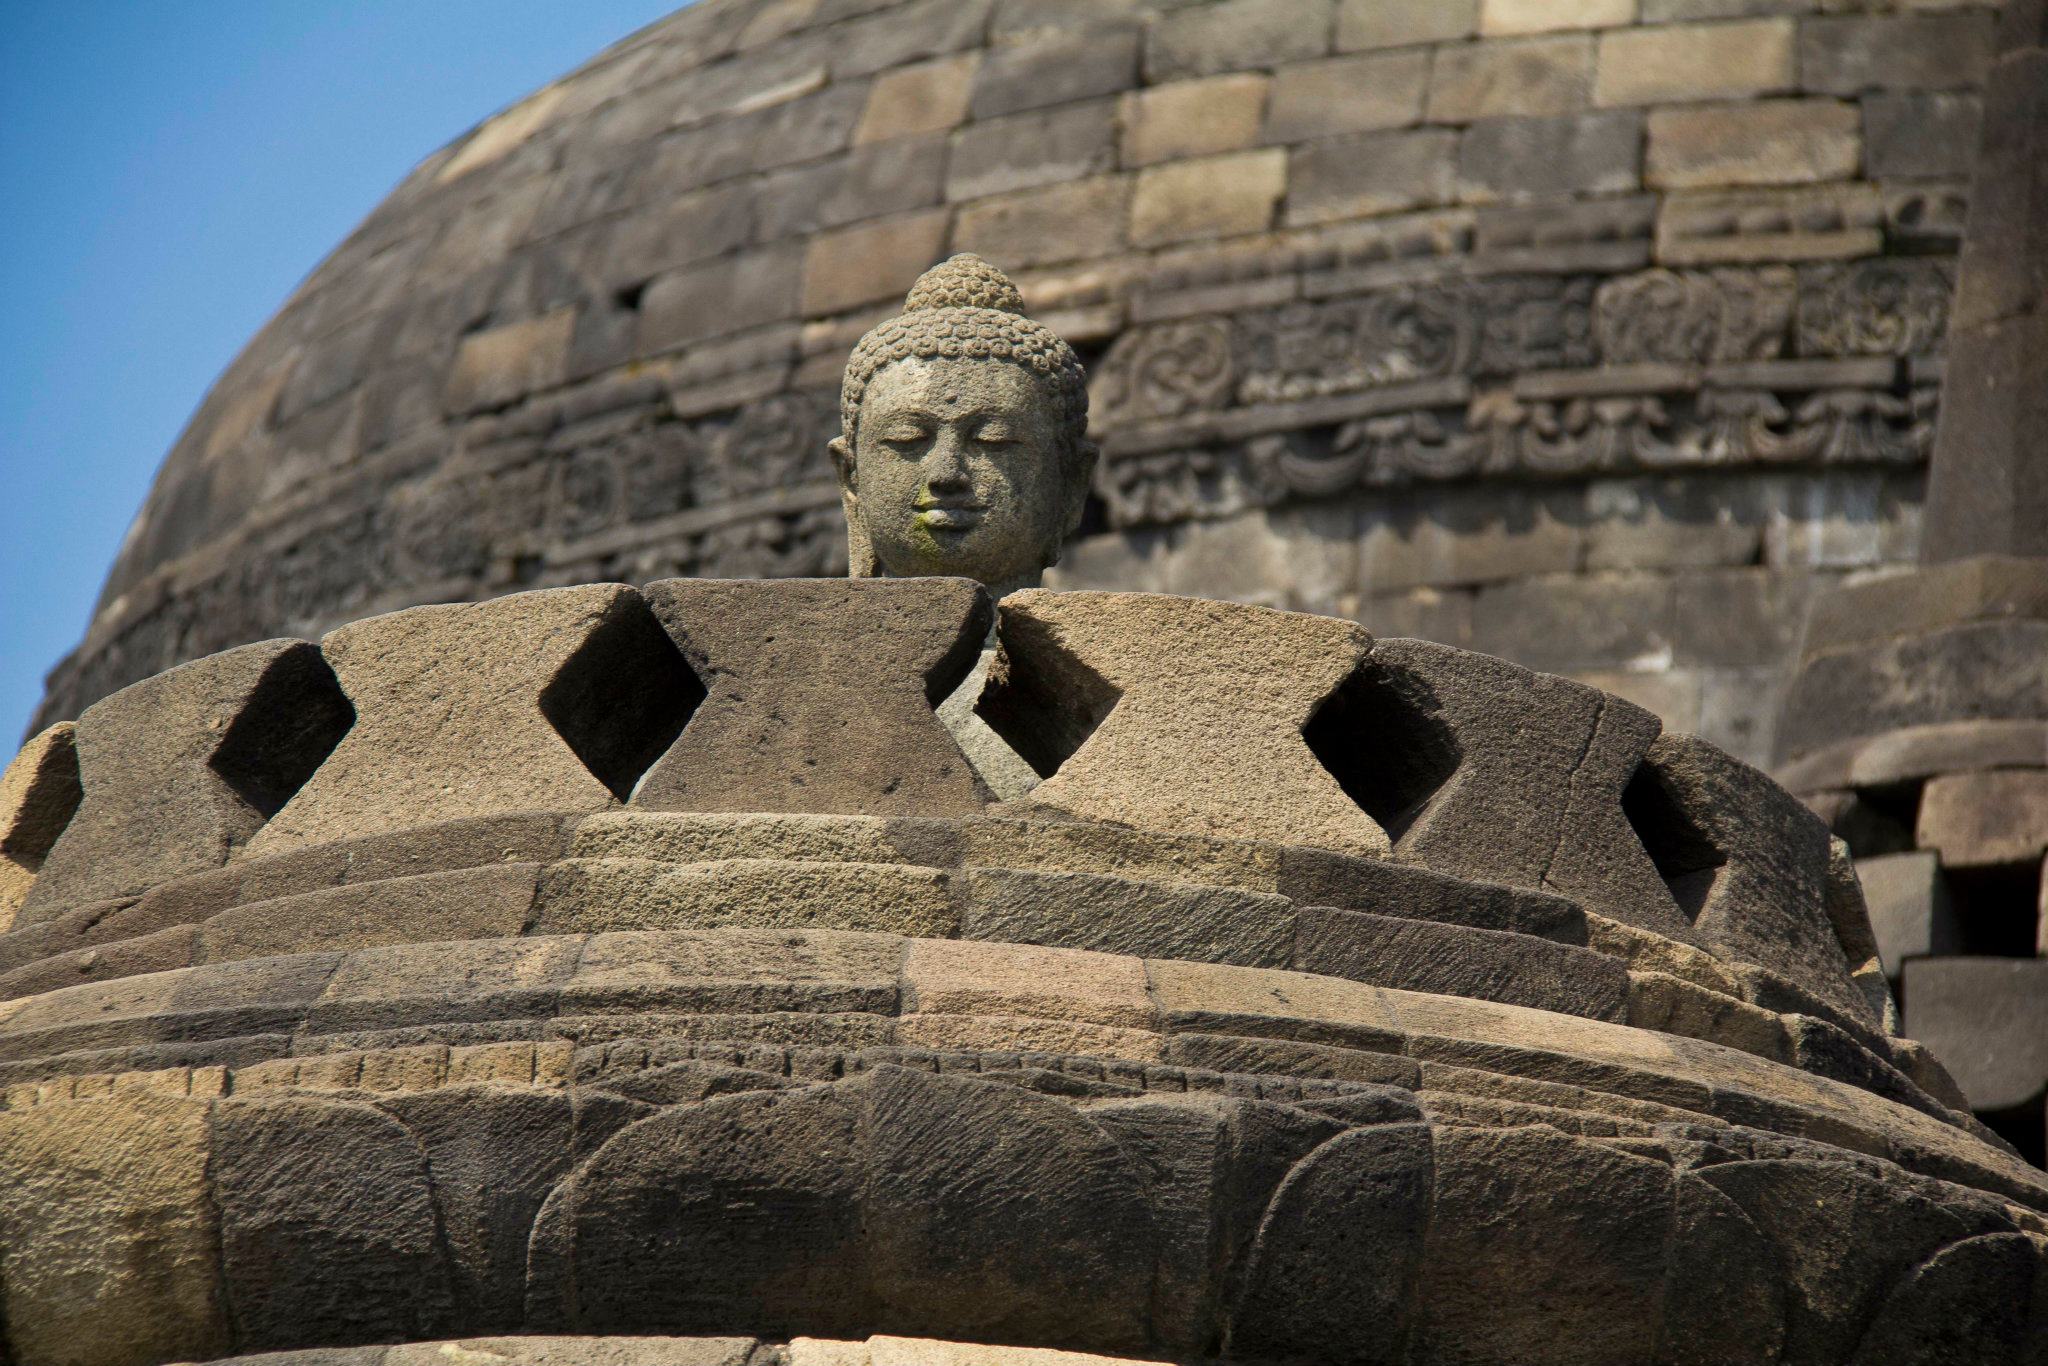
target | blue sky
x=169, y=170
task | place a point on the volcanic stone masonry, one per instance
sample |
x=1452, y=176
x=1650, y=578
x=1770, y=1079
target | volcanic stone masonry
x=405, y=999
x=1597, y=334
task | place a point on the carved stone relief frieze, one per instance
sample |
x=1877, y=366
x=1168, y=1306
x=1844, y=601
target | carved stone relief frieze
x=1694, y=317
x=1893, y=306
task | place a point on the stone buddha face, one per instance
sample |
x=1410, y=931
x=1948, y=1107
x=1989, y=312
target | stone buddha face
x=961, y=467
x=963, y=451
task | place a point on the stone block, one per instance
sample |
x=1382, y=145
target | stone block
x=465, y=903
x=39, y=794
x=1981, y=496
x=1671, y=523
x=1745, y=618
x=1575, y=623
x=1078, y=221
x=718, y=298
x=1482, y=537
x=84, y=1187
x=590, y=896
x=1987, y=1020
x=1192, y=118
x=870, y=262
x=1499, y=18
x=1659, y=65
x=1848, y=54
x=1056, y=68
x=920, y=29
x=1686, y=11
x=1915, y=134
x=868, y=182
x=1397, y=23
x=1455, y=960
x=1121, y=915
x=1218, y=196
x=1347, y=95
x=1820, y=223
x=1537, y=158
x=1024, y=151
x=1511, y=78
x=1201, y=40
x=683, y=231
x=1179, y=714
x=501, y=365
x=930, y=97
x=821, y=695
x=1910, y=913
x=1407, y=892
x=1767, y=142
x=1501, y=775
x=553, y=700
x=943, y=977
x=1981, y=672
x=1748, y=865
x=401, y=985
x=1370, y=173
x=1990, y=819
x=736, y=971
x=181, y=770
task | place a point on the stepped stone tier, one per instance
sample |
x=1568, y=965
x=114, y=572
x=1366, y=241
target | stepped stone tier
x=411, y=987
x=1596, y=334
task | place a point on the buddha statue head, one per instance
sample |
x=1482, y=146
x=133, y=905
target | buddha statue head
x=963, y=448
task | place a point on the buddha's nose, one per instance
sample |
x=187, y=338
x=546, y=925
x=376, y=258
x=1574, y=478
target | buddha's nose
x=945, y=465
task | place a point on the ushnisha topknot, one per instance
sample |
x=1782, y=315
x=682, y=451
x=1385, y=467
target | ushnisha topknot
x=966, y=307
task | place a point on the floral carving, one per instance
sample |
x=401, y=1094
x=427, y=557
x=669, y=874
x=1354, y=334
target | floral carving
x=1694, y=317
x=1891, y=307
x=1168, y=371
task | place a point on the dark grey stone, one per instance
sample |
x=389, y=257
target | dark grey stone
x=1451, y=960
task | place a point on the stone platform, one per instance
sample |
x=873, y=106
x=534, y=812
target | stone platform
x=598, y=962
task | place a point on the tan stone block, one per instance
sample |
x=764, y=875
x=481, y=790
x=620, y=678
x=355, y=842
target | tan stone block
x=701, y=837
x=929, y=97
x=1396, y=23
x=1192, y=118
x=1078, y=221
x=579, y=896
x=1695, y=62
x=871, y=261
x=1021, y=1034
x=39, y=794
x=1201, y=995
x=1219, y=196
x=1989, y=819
x=1509, y=17
x=1511, y=78
x=953, y=977
x=1346, y=95
x=894, y=1351
x=109, y=1245
x=503, y=364
x=1770, y=142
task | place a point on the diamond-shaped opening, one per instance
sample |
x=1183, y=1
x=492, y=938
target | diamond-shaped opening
x=1382, y=737
x=295, y=716
x=1043, y=701
x=622, y=699
x=48, y=801
x=1677, y=842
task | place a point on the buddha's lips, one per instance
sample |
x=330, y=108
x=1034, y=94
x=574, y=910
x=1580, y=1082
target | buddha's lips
x=950, y=516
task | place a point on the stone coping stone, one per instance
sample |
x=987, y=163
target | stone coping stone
x=1915, y=752
x=924, y=993
x=1928, y=598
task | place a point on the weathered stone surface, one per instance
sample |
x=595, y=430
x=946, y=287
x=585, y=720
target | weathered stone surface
x=1054, y=69
x=1764, y=142
x=1919, y=134
x=820, y=696
x=1235, y=34
x=1982, y=672
x=83, y=1179
x=1544, y=16
x=1987, y=819
x=1909, y=907
x=1179, y=714
x=1477, y=786
x=549, y=700
x=1370, y=173
x=580, y=896
x=729, y=971
x=1041, y=227
x=870, y=262
x=1987, y=1020
x=327, y=1224
x=929, y=97
x=1454, y=960
x=1397, y=23
x=465, y=903
x=1346, y=95
x=1118, y=915
x=181, y=770
x=39, y=793
x=1536, y=158
x=500, y=365
x=1847, y=54
x=1218, y=196
x=1192, y=118
x=1747, y=864
x=1955, y=592
x=1043, y=147
x=1517, y=78
x=1695, y=62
